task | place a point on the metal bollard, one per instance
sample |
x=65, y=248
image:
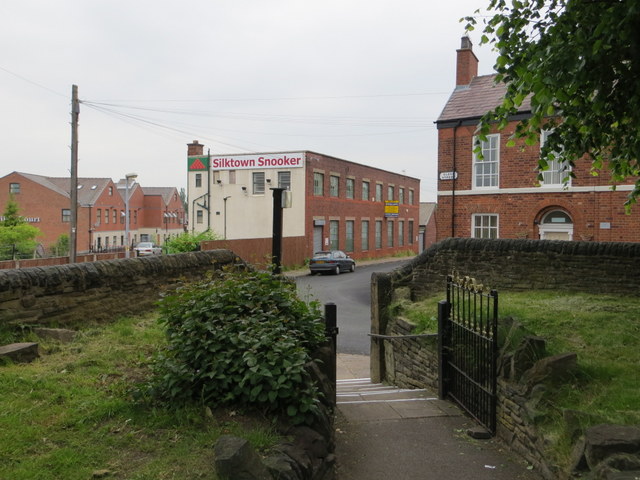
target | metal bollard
x=331, y=333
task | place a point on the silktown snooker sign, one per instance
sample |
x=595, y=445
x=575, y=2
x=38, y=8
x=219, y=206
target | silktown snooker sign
x=245, y=162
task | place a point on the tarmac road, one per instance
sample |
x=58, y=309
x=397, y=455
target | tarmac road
x=351, y=292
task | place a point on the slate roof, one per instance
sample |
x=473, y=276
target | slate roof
x=164, y=192
x=474, y=100
x=89, y=189
x=427, y=209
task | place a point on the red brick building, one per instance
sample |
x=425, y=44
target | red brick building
x=499, y=195
x=154, y=213
x=334, y=203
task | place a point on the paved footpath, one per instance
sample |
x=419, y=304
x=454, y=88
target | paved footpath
x=384, y=432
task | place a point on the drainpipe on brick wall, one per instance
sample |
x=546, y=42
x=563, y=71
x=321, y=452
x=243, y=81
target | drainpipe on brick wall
x=453, y=184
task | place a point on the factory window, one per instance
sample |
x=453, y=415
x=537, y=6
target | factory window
x=318, y=183
x=351, y=186
x=334, y=183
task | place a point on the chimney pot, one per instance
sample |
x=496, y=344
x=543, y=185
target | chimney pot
x=195, y=148
x=467, y=63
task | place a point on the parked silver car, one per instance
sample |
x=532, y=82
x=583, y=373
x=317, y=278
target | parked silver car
x=144, y=249
x=331, y=261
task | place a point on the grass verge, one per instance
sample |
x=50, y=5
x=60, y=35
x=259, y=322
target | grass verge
x=70, y=414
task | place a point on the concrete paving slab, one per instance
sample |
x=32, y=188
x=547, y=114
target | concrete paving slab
x=352, y=366
x=384, y=432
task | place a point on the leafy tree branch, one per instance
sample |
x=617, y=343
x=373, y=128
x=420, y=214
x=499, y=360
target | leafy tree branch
x=578, y=63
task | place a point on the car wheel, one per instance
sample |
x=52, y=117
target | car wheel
x=337, y=270
x=353, y=268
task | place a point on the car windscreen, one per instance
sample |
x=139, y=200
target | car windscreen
x=322, y=255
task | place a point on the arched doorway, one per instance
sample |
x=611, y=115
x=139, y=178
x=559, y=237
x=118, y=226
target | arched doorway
x=556, y=225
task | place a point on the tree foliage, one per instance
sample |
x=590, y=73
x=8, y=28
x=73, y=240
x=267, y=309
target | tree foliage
x=17, y=237
x=11, y=216
x=61, y=247
x=578, y=61
x=189, y=242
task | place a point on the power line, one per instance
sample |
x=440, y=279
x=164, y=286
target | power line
x=33, y=83
x=145, y=122
x=353, y=121
x=269, y=99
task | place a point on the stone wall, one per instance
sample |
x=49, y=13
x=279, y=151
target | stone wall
x=410, y=362
x=98, y=291
x=526, y=264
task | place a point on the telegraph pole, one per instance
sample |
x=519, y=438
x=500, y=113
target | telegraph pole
x=75, y=112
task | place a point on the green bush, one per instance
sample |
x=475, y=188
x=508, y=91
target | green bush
x=61, y=247
x=189, y=242
x=240, y=339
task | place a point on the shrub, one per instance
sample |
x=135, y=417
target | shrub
x=189, y=242
x=240, y=339
x=61, y=247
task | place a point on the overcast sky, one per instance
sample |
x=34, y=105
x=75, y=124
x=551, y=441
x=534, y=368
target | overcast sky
x=361, y=80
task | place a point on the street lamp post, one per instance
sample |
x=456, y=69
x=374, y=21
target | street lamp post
x=128, y=177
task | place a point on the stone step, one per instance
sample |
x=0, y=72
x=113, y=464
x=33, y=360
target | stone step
x=20, y=352
x=363, y=391
x=359, y=400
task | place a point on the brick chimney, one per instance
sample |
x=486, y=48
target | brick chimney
x=467, y=63
x=195, y=148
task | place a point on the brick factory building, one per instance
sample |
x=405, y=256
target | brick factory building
x=499, y=195
x=334, y=204
x=155, y=213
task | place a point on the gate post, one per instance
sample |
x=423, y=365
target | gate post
x=331, y=333
x=444, y=308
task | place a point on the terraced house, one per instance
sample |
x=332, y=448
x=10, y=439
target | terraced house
x=155, y=213
x=498, y=195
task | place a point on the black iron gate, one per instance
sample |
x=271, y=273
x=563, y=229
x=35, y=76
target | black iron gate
x=468, y=345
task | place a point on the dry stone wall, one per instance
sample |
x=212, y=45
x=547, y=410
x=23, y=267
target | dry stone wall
x=410, y=362
x=97, y=291
x=526, y=264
